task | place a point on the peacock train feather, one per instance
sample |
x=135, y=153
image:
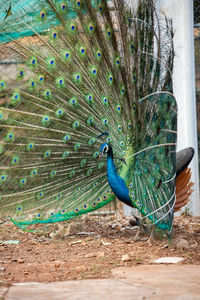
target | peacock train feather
x=97, y=83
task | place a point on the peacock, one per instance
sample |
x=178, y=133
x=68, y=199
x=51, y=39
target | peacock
x=91, y=115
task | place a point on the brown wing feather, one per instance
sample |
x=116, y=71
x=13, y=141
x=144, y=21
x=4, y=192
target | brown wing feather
x=183, y=189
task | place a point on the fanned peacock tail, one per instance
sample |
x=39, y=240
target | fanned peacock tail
x=105, y=76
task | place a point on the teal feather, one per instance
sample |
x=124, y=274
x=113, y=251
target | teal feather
x=31, y=12
x=104, y=76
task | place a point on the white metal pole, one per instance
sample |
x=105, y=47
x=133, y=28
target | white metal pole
x=181, y=12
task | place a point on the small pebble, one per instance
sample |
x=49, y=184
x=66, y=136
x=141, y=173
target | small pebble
x=57, y=263
x=125, y=258
x=182, y=244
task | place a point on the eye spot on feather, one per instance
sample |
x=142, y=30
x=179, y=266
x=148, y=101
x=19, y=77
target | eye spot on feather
x=77, y=146
x=47, y=154
x=65, y=154
x=90, y=120
x=100, y=166
x=105, y=121
x=108, y=33
x=132, y=195
x=76, y=210
x=122, y=91
x=3, y=178
x=110, y=78
x=43, y=15
x=52, y=174
x=105, y=197
x=78, y=3
x=73, y=27
x=98, y=54
x=30, y=146
x=96, y=154
x=100, y=8
x=63, y=6
x=93, y=71
x=15, y=160
x=34, y=173
x=55, y=35
x=89, y=172
x=118, y=108
x=91, y=141
x=45, y=120
x=151, y=156
x=120, y=129
x=132, y=47
x=77, y=77
x=76, y=125
x=99, y=199
x=157, y=168
x=67, y=137
x=109, y=140
x=85, y=206
x=91, y=28
x=138, y=204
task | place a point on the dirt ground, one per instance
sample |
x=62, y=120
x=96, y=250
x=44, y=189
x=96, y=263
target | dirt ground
x=89, y=247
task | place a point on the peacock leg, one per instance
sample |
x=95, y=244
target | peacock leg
x=137, y=236
x=137, y=222
x=151, y=237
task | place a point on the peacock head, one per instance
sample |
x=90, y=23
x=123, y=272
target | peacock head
x=105, y=149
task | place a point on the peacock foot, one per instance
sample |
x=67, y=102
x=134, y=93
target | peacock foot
x=151, y=237
x=141, y=228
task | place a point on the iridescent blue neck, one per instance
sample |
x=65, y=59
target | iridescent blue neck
x=117, y=184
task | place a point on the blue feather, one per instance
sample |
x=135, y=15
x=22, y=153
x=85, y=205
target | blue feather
x=117, y=184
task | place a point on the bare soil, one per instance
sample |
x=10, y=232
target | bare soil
x=89, y=247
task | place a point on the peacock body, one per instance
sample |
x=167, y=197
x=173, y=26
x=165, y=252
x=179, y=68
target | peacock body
x=99, y=83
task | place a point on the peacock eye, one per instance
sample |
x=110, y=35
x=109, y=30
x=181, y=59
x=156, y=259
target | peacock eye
x=105, y=149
